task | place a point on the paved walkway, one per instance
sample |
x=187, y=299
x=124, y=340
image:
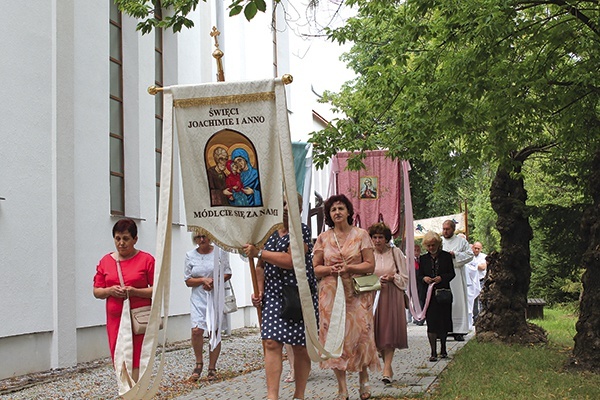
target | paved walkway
x=413, y=374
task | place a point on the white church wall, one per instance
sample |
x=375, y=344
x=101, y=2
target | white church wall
x=55, y=223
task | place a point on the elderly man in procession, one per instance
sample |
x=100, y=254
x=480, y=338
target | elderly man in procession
x=461, y=253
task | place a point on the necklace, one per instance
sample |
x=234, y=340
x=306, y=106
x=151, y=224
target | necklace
x=341, y=235
x=205, y=256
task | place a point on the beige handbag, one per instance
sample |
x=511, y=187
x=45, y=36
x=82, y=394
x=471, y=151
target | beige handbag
x=366, y=283
x=139, y=316
x=139, y=319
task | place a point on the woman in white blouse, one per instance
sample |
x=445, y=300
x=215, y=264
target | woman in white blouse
x=199, y=269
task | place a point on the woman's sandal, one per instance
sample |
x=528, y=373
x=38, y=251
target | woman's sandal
x=289, y=378
x=365, y=391
x=212, y=374
x=342, y=396
x=433, y=358
x=386, y=380
x=196, y=373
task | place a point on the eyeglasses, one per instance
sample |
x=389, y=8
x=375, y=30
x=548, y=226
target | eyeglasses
x=200, y=237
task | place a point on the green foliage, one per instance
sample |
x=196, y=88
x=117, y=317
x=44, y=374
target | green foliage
x=497, y=371
x=482, y=219
x=250, y=9
x=557, y=201
x=145, y=10
x=177, y=11
x=431, y=197
x=457, y=84
x=465, y=87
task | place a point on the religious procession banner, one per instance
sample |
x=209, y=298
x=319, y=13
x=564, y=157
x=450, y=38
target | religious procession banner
x=229, y=151
x=375, y=192
x=236, y=164
x=422, y=226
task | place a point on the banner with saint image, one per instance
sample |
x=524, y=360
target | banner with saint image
x=230, y=159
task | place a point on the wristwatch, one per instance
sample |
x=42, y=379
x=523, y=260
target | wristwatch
x=259, y=255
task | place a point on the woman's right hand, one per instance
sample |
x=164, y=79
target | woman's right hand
x=207, y=284
x=337, y=269
x=117, y=291
x=257, y=300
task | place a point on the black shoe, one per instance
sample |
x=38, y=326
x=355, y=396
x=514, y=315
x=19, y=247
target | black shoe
x=459, y=338
x=444, y=355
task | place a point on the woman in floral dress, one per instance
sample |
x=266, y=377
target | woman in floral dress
x=346, y=251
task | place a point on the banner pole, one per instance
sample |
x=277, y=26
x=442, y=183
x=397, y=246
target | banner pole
x=255, y=287
x=218, y=54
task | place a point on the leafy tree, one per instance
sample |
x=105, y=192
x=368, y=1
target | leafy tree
x=461, y=84
x=179, y=10
x=557, y=201
x=482, y=219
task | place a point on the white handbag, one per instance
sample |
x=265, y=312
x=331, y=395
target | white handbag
x=230, y=301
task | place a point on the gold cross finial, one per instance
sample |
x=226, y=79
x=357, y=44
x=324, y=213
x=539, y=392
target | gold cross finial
x=218, y=54
x=214, y=33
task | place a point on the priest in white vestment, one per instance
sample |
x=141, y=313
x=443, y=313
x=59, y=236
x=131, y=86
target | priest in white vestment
x=461, y=253
x=479, y=265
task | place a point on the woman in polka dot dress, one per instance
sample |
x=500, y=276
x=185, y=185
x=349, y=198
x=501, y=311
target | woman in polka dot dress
x=274, y=270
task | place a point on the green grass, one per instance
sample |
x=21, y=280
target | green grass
x=496, y=371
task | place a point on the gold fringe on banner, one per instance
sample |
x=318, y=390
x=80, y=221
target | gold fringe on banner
x=236, y=98
x=201, y=231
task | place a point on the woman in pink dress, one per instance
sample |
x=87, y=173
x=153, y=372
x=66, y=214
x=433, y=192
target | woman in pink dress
x=390, y=316
x=138, y=275
x=346, y=251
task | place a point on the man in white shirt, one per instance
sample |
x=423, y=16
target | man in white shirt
x=461, y=253
x=479, y=266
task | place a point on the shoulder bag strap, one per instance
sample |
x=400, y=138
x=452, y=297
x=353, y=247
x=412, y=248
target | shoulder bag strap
x=394, y=255
x=339, y=248
x=231, y=287
x=120, y=272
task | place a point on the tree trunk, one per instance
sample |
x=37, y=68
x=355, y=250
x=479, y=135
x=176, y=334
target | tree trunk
x=504, y=296
x=586, y=353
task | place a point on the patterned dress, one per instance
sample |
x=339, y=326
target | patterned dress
x=273, y=326
x=359, y=343
x=138, y=271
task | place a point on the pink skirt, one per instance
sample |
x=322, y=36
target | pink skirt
x=390, y=319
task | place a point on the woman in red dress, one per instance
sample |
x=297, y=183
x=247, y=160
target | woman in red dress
x=138, y=275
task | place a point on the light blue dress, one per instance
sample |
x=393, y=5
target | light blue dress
x=202, y=266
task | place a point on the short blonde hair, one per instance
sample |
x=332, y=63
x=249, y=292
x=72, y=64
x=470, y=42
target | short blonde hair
x=196, y=235
x=432, y=237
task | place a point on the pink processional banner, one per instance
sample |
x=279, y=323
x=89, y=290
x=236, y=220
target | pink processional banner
x=375, y=192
